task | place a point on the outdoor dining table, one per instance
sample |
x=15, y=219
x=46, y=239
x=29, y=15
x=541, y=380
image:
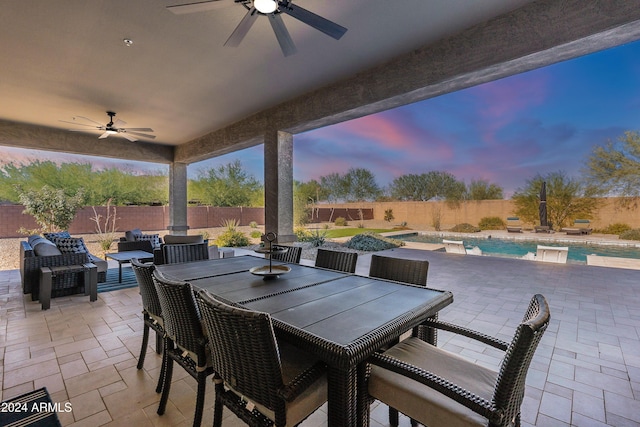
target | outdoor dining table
x=341, y=318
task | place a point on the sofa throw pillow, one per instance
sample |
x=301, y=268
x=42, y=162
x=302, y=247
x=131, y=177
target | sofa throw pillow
x=71, y=245
x=44, y=247
x=51, y=236
x=131, y=235
x=153, y=238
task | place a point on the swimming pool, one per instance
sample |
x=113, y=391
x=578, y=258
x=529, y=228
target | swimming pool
x=518, y=248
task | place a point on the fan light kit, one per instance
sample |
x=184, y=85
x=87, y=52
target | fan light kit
x=273, y=10
x=265, y=6
x=111, y=128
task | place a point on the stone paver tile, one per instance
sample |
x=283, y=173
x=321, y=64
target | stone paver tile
x=556, y=407
x=18, y=376
x=91, y=380
x=73, y=368
x=99, y=419
x=76, y=347
x=622, y=406
x=87, y=404
x=589, y=406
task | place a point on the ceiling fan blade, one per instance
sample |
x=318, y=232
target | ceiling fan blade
x=89, y=120
x=201, y=6
x=84, y=130
x=104, y=135
x=129, y=137
x=145, y=135
x=282, y=34
x=138, y=129
x=78, y=124
x=242, y=29
x=316, y=21
x=119, y=123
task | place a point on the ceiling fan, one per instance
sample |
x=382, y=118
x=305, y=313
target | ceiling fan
x=272, y=9
x=112, y=128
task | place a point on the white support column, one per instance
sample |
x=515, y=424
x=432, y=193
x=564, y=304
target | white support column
x=178, y=199
x=278, y=185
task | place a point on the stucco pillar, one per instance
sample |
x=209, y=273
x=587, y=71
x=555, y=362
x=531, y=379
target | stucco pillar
x=278, y=185
x=178, y=199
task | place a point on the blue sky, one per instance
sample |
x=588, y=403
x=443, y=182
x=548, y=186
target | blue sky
x=504, y=131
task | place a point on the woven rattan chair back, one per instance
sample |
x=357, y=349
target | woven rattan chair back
x=144, y=277
x=185, y=252
x=509, y=391
x=245, y=352
x=337, y=260
x=181, y=316
x=292, y=256
x=183, y=327
x=401, y=270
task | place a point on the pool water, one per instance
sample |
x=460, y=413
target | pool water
x=518, y=248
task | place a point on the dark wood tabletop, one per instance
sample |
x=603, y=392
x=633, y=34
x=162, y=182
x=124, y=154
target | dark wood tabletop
x=342, y=318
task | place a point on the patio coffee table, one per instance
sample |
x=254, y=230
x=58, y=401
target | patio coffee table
x=126, y=257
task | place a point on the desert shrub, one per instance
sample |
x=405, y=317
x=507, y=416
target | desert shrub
x=302, y=234
x=231, y=236
x=491, y=223
x=255, y=234
x=631, y=234
x=253, y=224
x=388, y=215
x=617, y=228
x=316, y=237
x=340, y=222
x=465, y=228
x=232, y=239
x=372, y=242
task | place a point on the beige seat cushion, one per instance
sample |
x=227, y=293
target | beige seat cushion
x=422, y=403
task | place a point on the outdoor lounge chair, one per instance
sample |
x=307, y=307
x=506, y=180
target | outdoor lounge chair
x=514, y=225
x=580, y=227
x=454, y=246
x=556, y=254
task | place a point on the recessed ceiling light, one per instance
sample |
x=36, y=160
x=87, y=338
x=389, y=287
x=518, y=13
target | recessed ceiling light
x=128, y=42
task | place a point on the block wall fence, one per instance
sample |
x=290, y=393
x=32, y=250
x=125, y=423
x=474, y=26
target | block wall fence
x=417, y=215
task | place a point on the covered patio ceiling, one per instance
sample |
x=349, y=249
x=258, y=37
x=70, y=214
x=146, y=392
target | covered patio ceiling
x=61, y=60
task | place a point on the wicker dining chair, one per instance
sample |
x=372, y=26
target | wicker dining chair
x=337, y=260
x=262, y=381
x=185, y=252
x=185, y=342
x=400, y=270
x=440, y=388
x=292, y=256
x=151, y=311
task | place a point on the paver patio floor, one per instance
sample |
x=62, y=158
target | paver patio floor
x=586, y=371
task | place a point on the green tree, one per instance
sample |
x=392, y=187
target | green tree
x=361, y=185
x=226, y=185
x=334, y=187
x=567, y=200
x=52, y=209
x=431, y=185
x=483, y=190
x=615, y=167
x=301, y=209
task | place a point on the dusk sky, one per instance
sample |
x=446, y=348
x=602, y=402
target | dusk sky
x=504, y=132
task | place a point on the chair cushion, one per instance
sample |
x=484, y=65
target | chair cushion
x=130, y=235
x=294, y=361
x=153, y=238
x=422, y=403
x=70, y=245
x=171, y=239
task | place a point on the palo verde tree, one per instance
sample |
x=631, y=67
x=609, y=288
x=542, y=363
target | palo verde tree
x=227, y=185
x=614, y=168
x=483, y=190
x=431, y=185
x=567, y=200
x=52, y=209
x=357, y=185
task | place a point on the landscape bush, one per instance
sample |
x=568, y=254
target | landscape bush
x=340, y=222
x=232, y=237
x=465, y=228
x=316, y=237
x=617, y=228
x=372, y=242
x=631, y=234
x=491, y=223
x=255, y=234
